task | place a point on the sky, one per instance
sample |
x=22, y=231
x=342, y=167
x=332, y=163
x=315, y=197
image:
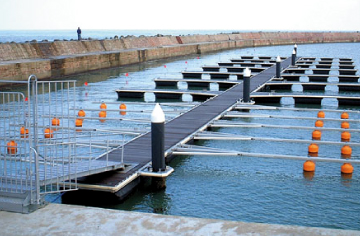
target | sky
x=253, y=15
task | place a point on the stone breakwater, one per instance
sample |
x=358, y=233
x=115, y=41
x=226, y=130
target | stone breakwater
x=60, y=58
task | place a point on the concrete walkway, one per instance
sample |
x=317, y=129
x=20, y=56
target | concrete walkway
x=60, y=219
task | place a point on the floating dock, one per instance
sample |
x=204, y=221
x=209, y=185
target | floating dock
x=192, y=124
x=137, y=153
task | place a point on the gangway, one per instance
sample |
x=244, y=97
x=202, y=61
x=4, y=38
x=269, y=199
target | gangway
x=41, y=151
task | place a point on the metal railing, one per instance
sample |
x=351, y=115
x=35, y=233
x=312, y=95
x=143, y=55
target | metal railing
x=41, y=149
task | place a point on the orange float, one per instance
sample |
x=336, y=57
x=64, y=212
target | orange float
x=309, y=166
x=345, y=136
x=346, y=151
x=122, y=109
x=48, y=133
x=321, y=114
x=55, y=122
x=345, y=125
x=78, y=122
x=81, y=113
x=102, y=114
x=12, y=147
x=316, y=135
x=313, y=148
x=347, y=168
x=344, y=115
x=24, y=133
x=319, y=123
x=103, y=106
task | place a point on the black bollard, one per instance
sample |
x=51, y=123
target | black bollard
x=246, y=85
x=158, y=139
x=278, y=67
x=293, y=58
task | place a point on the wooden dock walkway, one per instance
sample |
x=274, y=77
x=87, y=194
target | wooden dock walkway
x=137, y=153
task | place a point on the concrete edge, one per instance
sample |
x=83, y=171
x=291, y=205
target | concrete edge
x=61, y=219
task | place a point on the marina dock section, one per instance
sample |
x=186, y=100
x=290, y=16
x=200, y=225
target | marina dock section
x=178, y=131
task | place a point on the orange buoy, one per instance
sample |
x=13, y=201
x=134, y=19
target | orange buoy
x=24, y=133
x=316, y=135
x=103, y=106
x=55, y=122
x=347, y=168
x=122, y=109
x=346, y=151
x=321, y=114
x=319, y=123
x=81, y=113
x=345, y=136
x=122, y=106
x=48, y=133
x=309, y=166
x=78, y=122
x=12, y=147
x=313, y=148
x=344, y=115
x=345, y=125
x=102, y=114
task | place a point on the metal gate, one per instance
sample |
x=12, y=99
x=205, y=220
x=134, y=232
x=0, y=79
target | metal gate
x=39, y=146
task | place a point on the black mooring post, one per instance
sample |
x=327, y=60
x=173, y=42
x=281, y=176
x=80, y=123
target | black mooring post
x=158, y=139
x=246, y=85
x=278, y=67
x=293, y=58
x=295, y=48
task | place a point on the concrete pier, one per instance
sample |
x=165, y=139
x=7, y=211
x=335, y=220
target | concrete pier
x=61, y=219
x=61, y=58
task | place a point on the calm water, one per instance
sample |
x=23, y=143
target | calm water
x=243, y=188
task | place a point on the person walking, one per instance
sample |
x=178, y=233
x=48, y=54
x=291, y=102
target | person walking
x=79, y=33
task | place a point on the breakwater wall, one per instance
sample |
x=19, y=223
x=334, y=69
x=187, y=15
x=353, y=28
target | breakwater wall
x=61, y=58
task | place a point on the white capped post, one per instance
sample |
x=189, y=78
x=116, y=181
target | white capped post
x=278, y=67
x=293, y=58
x=158, y=139
x=246, y=85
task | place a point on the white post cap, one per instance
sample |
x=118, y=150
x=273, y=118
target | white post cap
x=278, y=59
x=294, y=52
x=247, y=72
x=295, y=46
x=157, y=115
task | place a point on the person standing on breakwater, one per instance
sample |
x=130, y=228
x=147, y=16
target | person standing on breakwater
x=79, y=33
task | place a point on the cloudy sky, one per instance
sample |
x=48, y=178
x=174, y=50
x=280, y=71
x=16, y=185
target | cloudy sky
x=318, y=15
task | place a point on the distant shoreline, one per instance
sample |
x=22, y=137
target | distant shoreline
x=22, y=36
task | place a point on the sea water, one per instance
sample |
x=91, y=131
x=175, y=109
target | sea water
x=241, y=188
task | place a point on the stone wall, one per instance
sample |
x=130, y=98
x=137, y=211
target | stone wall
x=59, y=58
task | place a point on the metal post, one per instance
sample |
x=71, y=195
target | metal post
x=278, y=67
x=158, y=139
x=246, y=85
x=295, y=48
x=293, y=58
